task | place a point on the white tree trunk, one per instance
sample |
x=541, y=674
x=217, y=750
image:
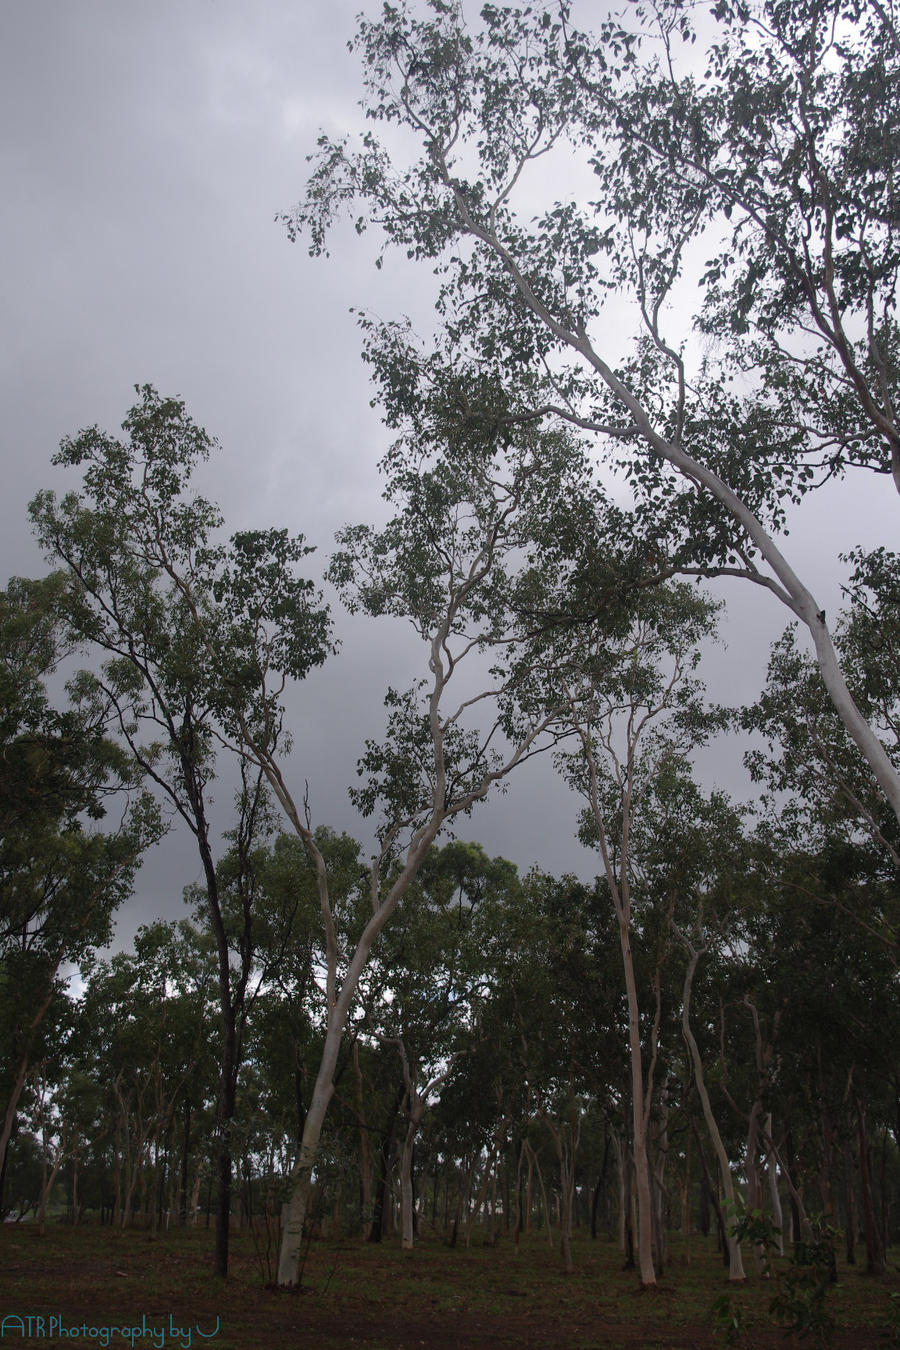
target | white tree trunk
x=787, y=587
x=301, y=1172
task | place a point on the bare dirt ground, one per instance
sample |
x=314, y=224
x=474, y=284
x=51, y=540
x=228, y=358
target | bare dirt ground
x=92, y=1286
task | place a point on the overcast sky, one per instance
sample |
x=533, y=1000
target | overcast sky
x=146, y=149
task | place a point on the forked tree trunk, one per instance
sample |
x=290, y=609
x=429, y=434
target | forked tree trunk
x=535, y=1160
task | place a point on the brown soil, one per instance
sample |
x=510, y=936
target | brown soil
x=92, y=1279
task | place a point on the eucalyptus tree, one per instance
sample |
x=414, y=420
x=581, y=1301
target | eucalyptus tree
x=198, y=638
x=825, y=1024
x=804, y=754
x=567, y=1016
x=771, y=154
x=143, y=1036
x=426, y=981
x=631, y=697
x=696, y=855
x=62, y=876
x=465, y=507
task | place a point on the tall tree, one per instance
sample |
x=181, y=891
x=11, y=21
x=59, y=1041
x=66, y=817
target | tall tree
x=636, y=708
x=777, y=160
x=805, y=753
x=199, y=638
x=444, y=564
x=62, y=876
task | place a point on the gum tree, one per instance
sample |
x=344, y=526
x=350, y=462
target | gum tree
x=635, y=707
x=444, y=563
x=198, y=638
x=805, y=755
x=770, y=154
x=62, y=873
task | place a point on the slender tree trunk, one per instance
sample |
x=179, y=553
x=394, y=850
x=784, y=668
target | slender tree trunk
x=407, y=1237
x=601, y=1182
x=339, y=1002
x=874, y=1253
x=710, y=1190
x=195, y=1196
x=381, y=1208
x=365, y=1151
x=185, y=1163
x=462, y=1199
x=543, y=1190
x=638, y=1114
x=529, y=1192
x=703, y=1216
x=751, y=1173
x=774, y=1195
x=735, y=1259
x=687, y=1227
x=851, y=1220
x=9, y=1115
x=628, y=1214
x=301, y=1172
x=518, y=1223
x=827, y=1168
x=658, y=1177
x=499, y=1136
x=565, y=1153
x=623, y=1166
x=49, y=1181
x=228, y=1074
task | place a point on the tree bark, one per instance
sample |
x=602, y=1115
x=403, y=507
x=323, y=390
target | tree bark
x=365, y=1151
x=788, y=587
x=185, y=1164
x=638, y=1114
x=874, y=1252
x=407, y=1226
x=301, y=1172
x=774, y=1195
x=850, y=1216
x=735, y=1259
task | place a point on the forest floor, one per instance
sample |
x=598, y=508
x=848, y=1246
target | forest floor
x=93, y=1286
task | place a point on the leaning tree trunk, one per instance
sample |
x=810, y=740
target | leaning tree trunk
x=301, y=1172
